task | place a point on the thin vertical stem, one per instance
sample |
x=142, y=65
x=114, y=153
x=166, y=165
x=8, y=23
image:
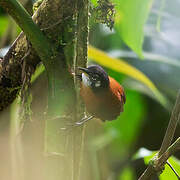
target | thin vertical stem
x=175, y=116
x=81, y=60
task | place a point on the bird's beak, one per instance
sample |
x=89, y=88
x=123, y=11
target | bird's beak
x=85, y=70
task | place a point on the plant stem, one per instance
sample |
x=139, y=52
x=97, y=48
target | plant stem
x=39, y=42
x=175, y=116
x=165, y=150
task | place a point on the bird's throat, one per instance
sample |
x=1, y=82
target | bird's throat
x=85, y=80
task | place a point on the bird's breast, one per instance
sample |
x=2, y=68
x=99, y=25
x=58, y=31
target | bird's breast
x=106, y=104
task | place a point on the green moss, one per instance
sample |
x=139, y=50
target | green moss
x=104, y=13
x=36, y=5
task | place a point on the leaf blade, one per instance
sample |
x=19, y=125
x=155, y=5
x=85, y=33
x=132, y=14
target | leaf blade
x=129, y=22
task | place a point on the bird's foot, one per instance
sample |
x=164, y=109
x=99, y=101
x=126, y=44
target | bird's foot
x=83, y=120
x=77, y=124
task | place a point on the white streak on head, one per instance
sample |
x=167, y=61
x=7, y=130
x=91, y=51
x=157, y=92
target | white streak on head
x=85, y=79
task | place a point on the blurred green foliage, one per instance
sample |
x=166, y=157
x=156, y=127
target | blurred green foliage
x=3, y=24
x=127, y=174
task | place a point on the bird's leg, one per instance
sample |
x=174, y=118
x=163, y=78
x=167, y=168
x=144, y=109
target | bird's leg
x=77, y=124
x=83, y=120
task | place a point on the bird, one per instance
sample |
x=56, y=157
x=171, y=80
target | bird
x=102, y=95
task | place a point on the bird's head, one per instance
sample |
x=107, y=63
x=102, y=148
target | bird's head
x=95, y=77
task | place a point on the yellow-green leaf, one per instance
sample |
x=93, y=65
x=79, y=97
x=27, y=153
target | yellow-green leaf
x=168, y=173
x=120, y=66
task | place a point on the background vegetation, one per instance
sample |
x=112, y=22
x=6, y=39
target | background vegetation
x=142, y=53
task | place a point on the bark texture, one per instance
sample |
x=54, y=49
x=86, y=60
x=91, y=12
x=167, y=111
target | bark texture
x=52, y=17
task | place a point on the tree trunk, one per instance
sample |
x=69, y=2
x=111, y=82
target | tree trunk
x=62, y=22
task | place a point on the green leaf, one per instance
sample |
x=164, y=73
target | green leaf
x=119, y=65
x=131, y=16
x=168, y=174
x=3, y=24
x=39, y=70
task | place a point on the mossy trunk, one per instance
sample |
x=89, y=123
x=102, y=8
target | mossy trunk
x=62, y=22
